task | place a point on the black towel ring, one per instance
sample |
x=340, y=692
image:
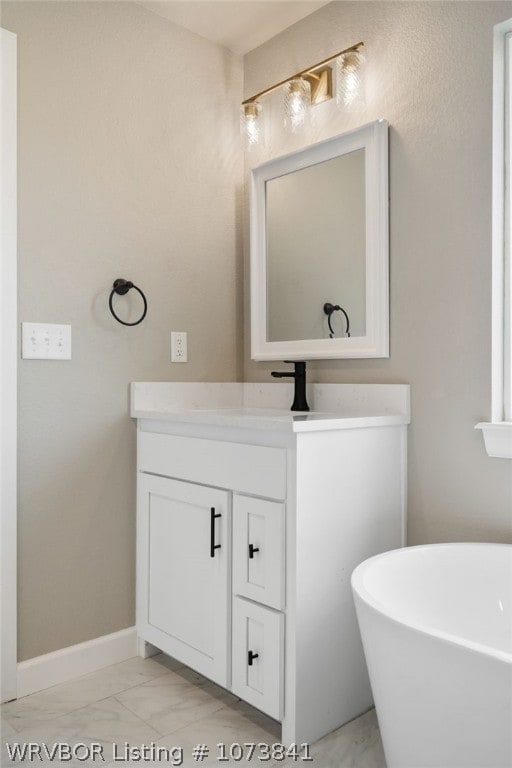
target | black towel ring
x=121, y=287
x=329, y=309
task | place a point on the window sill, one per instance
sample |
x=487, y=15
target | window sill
x=497, y=438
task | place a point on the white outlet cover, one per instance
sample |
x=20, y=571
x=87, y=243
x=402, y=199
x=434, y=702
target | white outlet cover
x=178, y=347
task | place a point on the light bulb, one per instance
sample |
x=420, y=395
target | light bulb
x=350, y=80
x=297, y=103
x=251, y=125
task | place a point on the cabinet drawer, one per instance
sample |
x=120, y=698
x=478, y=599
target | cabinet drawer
x=259, y=550
x=256, y=469
x=258, y=656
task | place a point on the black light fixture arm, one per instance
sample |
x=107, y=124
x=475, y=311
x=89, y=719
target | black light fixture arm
x=121, y=287
x=329, y=309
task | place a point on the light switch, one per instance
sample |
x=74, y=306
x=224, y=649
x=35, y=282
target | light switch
x=46, y=341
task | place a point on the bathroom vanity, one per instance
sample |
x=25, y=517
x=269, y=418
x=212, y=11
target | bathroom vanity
x=250, y=521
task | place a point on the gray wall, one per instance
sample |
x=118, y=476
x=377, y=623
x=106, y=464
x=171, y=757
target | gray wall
x=129, y=166
x=430, y=76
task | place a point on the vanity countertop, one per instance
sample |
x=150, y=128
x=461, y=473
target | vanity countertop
x=266, y=406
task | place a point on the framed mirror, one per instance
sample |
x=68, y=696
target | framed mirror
x=319, y=250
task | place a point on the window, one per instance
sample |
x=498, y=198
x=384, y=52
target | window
x=506, y=260
x=498, y=433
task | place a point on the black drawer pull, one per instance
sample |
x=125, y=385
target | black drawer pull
x=252, y=550
x=251, y=656
x=213, y=545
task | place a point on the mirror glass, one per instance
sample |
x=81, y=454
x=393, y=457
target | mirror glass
x=319, y=235
x=316, y=216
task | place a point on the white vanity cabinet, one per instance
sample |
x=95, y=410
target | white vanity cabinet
x=184, y=535
x=248, y=528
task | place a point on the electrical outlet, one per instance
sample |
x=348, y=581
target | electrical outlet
x=46, y=341
x=178, y=347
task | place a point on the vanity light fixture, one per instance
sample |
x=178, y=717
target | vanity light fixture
x=251, y=125
x=297, y=103
x=310, y=87
x=349, y=87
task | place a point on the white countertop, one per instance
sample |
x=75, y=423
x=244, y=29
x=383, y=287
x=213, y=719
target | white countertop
x=265, y=406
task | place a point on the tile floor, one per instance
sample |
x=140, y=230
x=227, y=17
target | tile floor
x=162, y=703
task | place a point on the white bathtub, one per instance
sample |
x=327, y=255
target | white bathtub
x=436, y=624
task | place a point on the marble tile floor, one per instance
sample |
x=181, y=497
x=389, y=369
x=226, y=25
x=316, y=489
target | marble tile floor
x=165, y=709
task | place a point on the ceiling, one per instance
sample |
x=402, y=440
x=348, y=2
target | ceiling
x=239, y=25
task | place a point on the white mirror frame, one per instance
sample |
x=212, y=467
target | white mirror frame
x=373, y=138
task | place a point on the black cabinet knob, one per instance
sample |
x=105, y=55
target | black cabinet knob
x=251, y=656
x=252, y=550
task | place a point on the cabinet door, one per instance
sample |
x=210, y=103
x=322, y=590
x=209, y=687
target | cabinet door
x=259, y=550
x=258, y=656
x=183, y=557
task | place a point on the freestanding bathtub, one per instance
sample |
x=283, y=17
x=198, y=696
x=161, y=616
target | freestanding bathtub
x=436, y=624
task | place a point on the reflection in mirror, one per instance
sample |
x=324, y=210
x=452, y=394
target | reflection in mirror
x=316, y=250
x=319, y=250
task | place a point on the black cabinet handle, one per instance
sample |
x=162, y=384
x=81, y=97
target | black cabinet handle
x=252, y=550
x=251, y=656
x=213, y=545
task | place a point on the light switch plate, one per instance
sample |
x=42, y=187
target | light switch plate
x=46, y=341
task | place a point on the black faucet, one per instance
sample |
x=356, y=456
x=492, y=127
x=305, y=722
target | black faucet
x=299, y=374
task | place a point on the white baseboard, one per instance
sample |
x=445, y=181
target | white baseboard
x=76, y=660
